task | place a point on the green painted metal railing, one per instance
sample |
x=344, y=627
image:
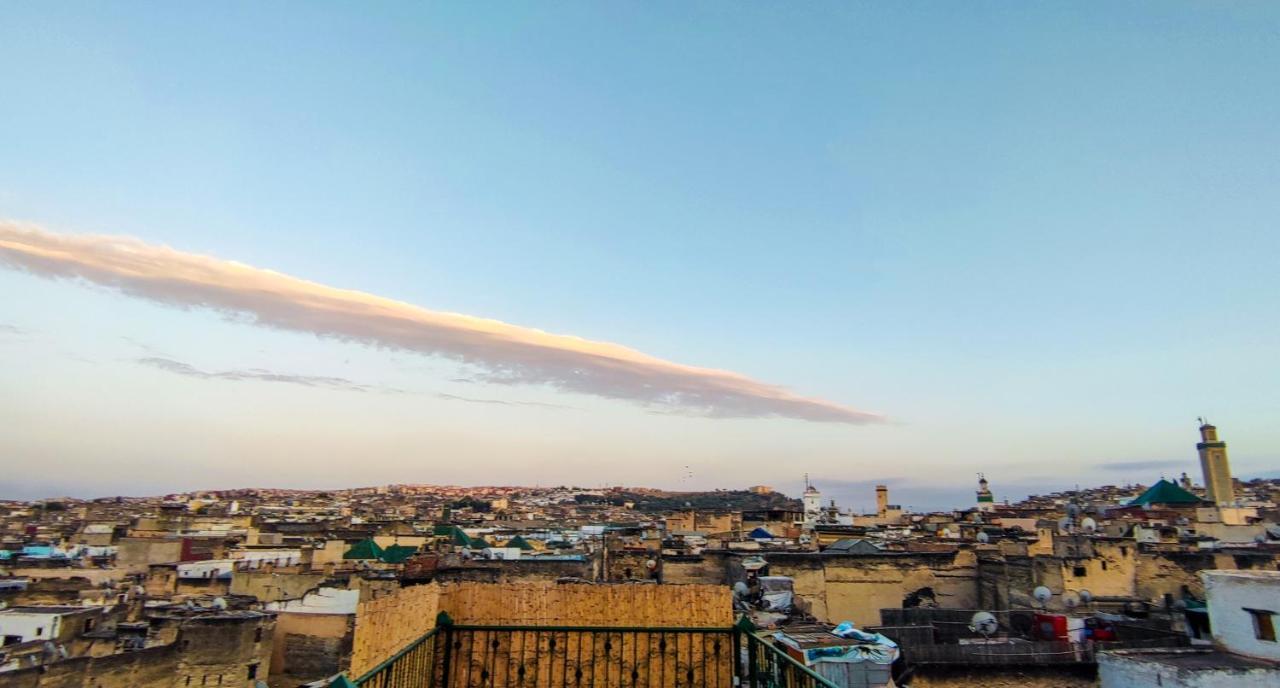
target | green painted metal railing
x=455, y=655
x=767, y=666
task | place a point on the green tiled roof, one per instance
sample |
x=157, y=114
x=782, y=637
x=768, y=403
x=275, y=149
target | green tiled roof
x=457, y=537
x=1165, y=492
x=365, y=549
x=396, y=554
x=519, y=541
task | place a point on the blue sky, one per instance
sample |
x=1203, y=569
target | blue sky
x=1040, y=239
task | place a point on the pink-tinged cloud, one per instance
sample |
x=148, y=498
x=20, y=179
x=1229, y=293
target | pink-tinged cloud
x=506, y=354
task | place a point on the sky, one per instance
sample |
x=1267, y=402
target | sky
x=677, y=245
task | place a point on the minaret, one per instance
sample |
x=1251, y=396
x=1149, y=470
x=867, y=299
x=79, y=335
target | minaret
x=812, y=500
x=986, y=501
x=1213, y=462
x=882, y=500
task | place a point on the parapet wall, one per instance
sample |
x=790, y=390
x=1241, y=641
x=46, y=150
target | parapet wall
x=388, y=623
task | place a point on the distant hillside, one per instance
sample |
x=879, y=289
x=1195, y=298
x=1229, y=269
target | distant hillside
x=655, y=501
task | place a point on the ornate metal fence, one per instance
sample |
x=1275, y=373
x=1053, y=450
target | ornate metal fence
x=470, y=656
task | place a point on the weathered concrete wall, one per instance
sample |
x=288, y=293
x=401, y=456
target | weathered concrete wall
x=220, y=650
x=622, y=566
x=155, y=667
x=273, y=587
x=135, y=554
x=310, y=646
x=1118, y=569
x=855, y=588
x=694, y=570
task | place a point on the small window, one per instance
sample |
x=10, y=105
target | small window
x=1104, y=564
x=39, y=631
x=1079, y=572
x=1264, y=627
x=253, y=671
x=257, y=636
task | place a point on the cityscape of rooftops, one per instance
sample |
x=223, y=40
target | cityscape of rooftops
x=418, y=345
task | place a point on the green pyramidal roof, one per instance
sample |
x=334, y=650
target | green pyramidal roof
x=519, y=542
x=1165, y=492
x=457, y=537
x=365, y=549
x=396, y=554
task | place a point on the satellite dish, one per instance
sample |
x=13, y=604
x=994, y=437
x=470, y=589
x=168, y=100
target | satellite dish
x=1064, y=526
x=651, y=564
x=1070, y=600
x=1042, y=594
x=946, y=533
x=220, y=603
x=1260, y=538
x=1088, y=524
x=1180, y=605
x=984, y=623
x=983, y=537
x=740, y=589
x=1085, y=596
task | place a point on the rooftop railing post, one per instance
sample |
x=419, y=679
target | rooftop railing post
x=444, y=626
x=745, y=627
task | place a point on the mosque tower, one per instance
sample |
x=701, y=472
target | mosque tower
x=986, y=502
x=1213, y=462
x=882, y=500
x=812, y=500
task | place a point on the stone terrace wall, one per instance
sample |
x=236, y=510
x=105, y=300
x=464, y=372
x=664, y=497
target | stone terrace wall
x=551, y=604
x=154, y=667
x=388, y=623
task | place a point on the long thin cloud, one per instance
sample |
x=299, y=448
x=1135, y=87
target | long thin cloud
x=507, y=354
x=256, y=374
x=339, y=383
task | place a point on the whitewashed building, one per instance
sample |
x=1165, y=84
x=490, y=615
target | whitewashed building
x=1244, y=612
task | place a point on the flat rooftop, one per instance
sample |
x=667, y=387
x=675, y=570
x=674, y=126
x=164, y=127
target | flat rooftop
x=1249, y=573
x=1193, y=659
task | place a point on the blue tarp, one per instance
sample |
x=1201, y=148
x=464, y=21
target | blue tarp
x=760, y=534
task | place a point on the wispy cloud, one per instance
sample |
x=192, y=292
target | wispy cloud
x=144, y=347
x=10, y=329
x=258, y=374
x=501, y=402
x=506, y=354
